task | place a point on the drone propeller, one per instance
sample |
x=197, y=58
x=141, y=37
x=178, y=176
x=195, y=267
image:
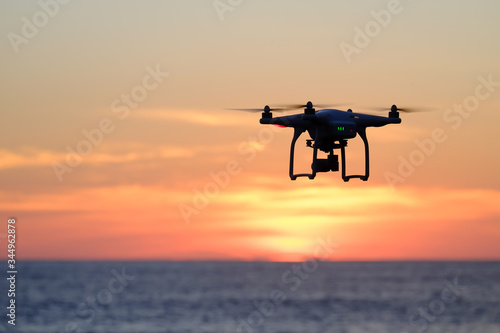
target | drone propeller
x=265, y=109
x=394, y=108
x=297, y=106
x=310, y=105
x=288, y=107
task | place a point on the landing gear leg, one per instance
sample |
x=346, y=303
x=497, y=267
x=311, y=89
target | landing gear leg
x=297, y=132
x=362, y=134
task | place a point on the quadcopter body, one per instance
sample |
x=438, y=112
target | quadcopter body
x=329, y=130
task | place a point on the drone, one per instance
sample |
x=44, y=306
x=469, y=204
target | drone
x=329, y=130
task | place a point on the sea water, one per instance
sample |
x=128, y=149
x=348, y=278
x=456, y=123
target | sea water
x=312, y=296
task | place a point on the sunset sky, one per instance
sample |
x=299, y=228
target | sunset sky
x=116, y=141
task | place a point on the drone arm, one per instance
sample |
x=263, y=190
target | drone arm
x=362, y=133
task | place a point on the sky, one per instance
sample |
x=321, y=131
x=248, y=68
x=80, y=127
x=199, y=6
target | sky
x=117, y=142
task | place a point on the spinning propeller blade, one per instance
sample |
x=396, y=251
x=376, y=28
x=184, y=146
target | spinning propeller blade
x=319, y=106
x=265, y=109
x=288, y=107
x=408, y=110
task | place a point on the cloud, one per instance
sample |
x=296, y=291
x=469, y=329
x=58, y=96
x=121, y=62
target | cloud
x=206, y=117
x=33, y=157
x=27, y=157
x=362, y=203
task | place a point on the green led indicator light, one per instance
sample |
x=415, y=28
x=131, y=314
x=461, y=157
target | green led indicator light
x=340, y=128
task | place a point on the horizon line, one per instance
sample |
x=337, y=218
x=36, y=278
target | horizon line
x=257, y=260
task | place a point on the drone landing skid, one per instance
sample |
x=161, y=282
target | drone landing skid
x=362, y=134
x=331, y=163
x=296, y=133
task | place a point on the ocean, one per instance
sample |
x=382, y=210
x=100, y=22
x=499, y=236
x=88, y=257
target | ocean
x=312, y=296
